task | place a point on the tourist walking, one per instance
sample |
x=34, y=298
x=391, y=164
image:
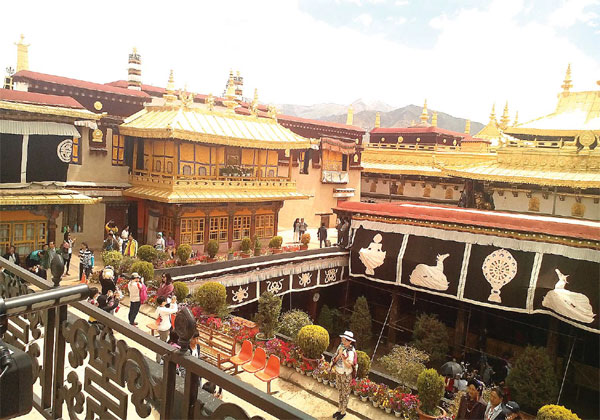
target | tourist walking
x=160, y=244
x=70, y=241
x=296, y=229
x=166, y=286
x=472, y=406
x=108, y=302
x=85, y=261
x=134, y=286
x=302, y=227
x=494, y=410
x=344, y=232
x=163, y=319
x=343, y=365
x=322, y=235
x=107, y=280
x=12, y=256
x=124, y=239
x=132, y=247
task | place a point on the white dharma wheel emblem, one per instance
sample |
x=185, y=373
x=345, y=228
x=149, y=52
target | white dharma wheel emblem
x=499, y=268
x=64, y=150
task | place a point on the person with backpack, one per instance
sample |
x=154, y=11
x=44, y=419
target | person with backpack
x=345, y=364
x=135, y=288
x=163, y=319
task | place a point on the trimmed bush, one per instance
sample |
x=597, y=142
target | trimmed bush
x=147, y=253
x=556, y=412
x=292, y=321
x=126, y=263
x=305, y=239
x=360, y=323
x=112, y=258
x=313, y=341
x=364, y=364
x=405, y=363
x=144, y=269
x=212, y=298
x=431, y=336
x=246, y=245
x=212, y=247
x=180, y=290
x=430, y=386
x=183, y=253
x=269, y=308
x=532, y=379
x=275, y=242
x=161, y=256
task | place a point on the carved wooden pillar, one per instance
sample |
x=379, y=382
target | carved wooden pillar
x=258, y=165
x=253, y=222
x=231, y=213
x=177, y=223
x=290, y=166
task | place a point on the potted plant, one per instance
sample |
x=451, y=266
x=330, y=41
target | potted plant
x=292, y=321
x=184, y=251
x=257, y=246
x=313, y=340
x=364, y=389
x=212, y=298
x=556, y=412
x=430, y=385
x=269, y=307
x=275, y=244
x=305, y=239
x=212, y=247
x=245, y=247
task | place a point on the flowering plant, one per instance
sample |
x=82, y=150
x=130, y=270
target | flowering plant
x=406, y=404
x=380, y=392
x=364, y=387
x=273, y=346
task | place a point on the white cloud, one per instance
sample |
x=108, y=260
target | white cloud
x=401, y=2
x=396, y=20
x=480, y=56
x=572, y=11
x=364, y=19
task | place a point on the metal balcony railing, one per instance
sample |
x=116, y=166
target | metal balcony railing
x=81, y=370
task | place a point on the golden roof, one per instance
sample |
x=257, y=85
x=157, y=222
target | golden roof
x=195, y=122
x=27, y=196
x=49, y=110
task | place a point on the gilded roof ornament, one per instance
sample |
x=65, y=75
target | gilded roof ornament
x=568, y=82
x=516, y=119
x=210, y=102
x=505, y=120
x=187, y=99
x=468, y=127
x=22, y=54
x=272, y=111
x=377, y=119
x=230, y=101
x=169, y=95
x=254, y=104
x=493, y=114
x=350, y=116
x=434, y=119
x=424, y=115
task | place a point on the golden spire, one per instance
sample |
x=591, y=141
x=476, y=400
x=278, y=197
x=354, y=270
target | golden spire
x=468, y=127
x=567, y=83
x=350, y=117
x=516, y=119
x=254, y=104
x=434, y=119
x=505, y=120
x=493, y=114
x=22, y=54
x=377, y=119
x=170, y=89
x=424, y=115
x=230, y=101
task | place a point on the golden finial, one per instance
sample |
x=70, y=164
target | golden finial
x=272, y=111
x=210, y=102
x=424, y=114
x=134, y=50
x=350, y=117
x=377, y=119
x=434, y=119
x=505, y=120
x=567, y=83
x=187, y=99
x=468, y=127
x=22, y=54
x=516, y=119
x=230, y=101
x=170, y=89
x=254, y=104
x=493, y=114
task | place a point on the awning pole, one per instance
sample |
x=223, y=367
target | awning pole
x=382, y=327
x=565, y=374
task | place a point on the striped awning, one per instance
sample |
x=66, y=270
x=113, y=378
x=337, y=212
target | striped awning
x=25, y=197
x=44, y=128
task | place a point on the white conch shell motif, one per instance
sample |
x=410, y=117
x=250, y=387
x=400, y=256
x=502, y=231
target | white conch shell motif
x=372, y=256
x=240, y=294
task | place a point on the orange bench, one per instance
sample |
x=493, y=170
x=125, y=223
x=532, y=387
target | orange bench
x=271, y=372
x=243, y=357
x=258, y=361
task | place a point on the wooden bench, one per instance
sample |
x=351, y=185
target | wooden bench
x=216, y=348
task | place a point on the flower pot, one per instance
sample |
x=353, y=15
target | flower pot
x=229, y=257
x=355, y=392
x=363, y=399
x=298, y=369
x=375, y=404
x=423, y=416
x=388, y=410
x=302, y=372
x=319, y=379
x=303, y=247
x=245, y=255
x=325, y=381
x=397, y=413
x=332, y=384
x=276, y=250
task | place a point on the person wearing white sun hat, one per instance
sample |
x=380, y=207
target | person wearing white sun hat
x=344, y=363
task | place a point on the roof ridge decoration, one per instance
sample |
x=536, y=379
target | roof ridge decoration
x=568, y=82
x=516, y=119
x=377, y=119
x=230, y=98
x=424, y=115
x=254, y=104
x=468, y=127
x=169, y=95
x=350, y=116
x=22, y=54
x=434, y=119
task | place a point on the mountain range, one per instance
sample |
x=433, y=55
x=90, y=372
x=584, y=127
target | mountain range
x=364, y=115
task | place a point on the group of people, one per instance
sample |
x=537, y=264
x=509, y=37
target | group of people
x=299, y=227
x=473, y=407
x=124, y=243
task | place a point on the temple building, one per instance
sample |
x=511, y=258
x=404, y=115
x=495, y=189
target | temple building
x=202, y=171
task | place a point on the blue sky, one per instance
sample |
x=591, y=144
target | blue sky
x=462, y=56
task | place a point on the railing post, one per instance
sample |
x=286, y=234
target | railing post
x=168, y=395
x=59, y=361
x=47, y=362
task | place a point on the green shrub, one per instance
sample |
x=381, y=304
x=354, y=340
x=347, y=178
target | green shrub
x=180, y=290
x=556, y=412
x=360, y=323
x=183, y=253
x=144, y=269
x=405, y=363
x=147, y=253
x=313, y=340
x=126, y=263
x=269, y=307
x=275, y=242
x=292, y=321
x=161, y=256
x=212, y=298
x=431, y=336
x=430, y=386
x=325, y=319
x=112, y=258
x=364, y=364
x=246, y=245
x=532, y=380
x=305, y=239
x=212, y=247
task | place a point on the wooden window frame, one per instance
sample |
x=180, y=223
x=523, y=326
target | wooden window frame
x=191, y=230
x=118, y=150
x=241, y=227
x=265, y=226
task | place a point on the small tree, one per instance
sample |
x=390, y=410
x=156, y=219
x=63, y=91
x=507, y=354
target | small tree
x=532, y=379
x=126, y=263
x=269, y=307
x=364, y=364
x=431, y=336
x=112, y=258
x=430, y=386
x=305, y=239
x=556, y=412
x=212, y=298
x=144, y=269
x=275, y=242
x=257, y=246
x=183, y=253
x=212, y=247
x=147, y=253
x=246, y=245
x=292, y=321
x=360, y=323
x=405, y=363
x=313, y=340
x=180, y=290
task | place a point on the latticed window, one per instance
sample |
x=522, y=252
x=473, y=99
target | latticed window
x=165, y=225
x=25, y=236
x=265, y=225
x=241, y=227
x=192, y=230
x=118, y=150
x=4, y=236
x=217, y=228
